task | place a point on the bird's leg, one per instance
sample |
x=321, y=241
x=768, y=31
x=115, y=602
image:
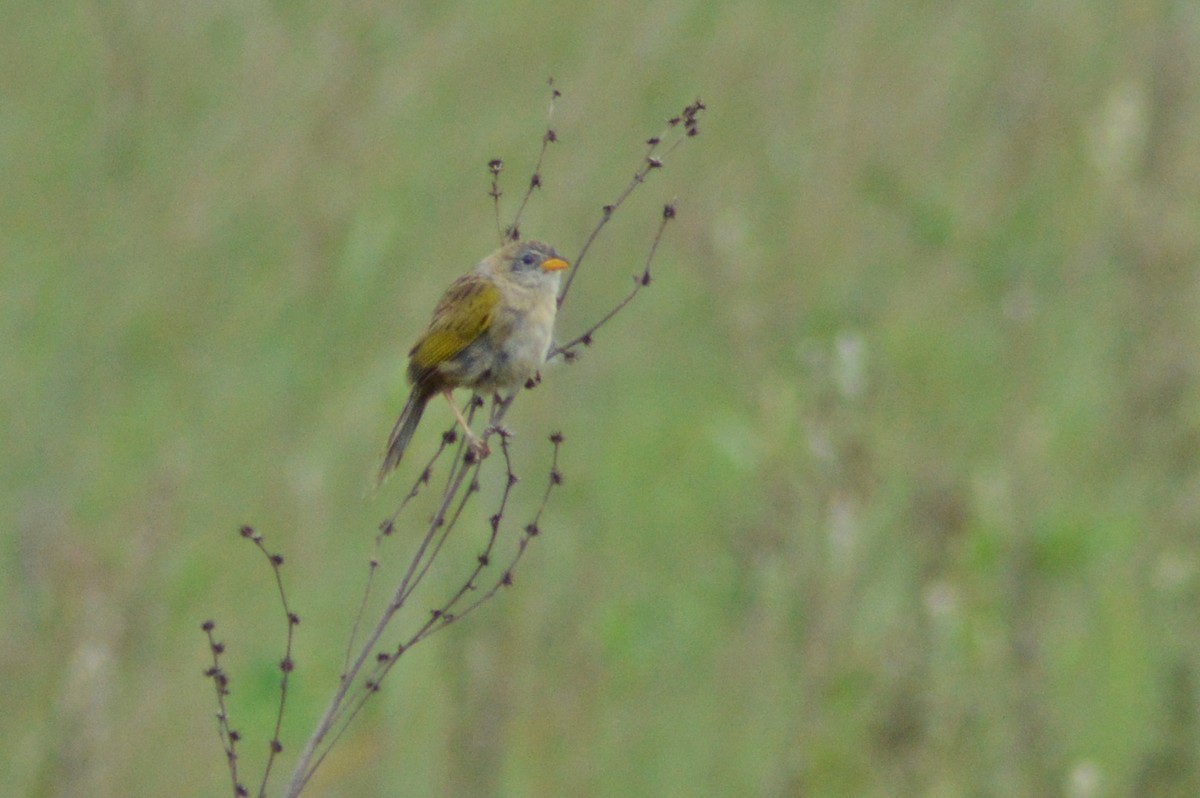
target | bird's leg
x=478, y=445
x=499, y=408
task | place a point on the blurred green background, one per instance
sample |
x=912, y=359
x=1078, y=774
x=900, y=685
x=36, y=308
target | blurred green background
x=888, y=485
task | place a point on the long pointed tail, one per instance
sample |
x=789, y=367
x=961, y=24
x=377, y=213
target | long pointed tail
x=402, y=433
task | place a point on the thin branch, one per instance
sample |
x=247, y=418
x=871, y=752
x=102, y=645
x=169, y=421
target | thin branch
x=689, y=120
x=385, y=531
x=286, y=665
x=438, y=618
x=229, y=736
x=441, y=618
x=496, y=166
x=484, y=559
x=513, y=233
x=305, y=766
x=639, y=282
x=359, y=681
x=532, y=530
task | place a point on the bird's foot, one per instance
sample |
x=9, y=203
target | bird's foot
x=478, y=447
x=496, y=429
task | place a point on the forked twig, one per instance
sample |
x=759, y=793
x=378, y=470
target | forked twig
x=640, y=281
x=689, y=119
x=229, y=736
x=513, y=231
x=366, y=663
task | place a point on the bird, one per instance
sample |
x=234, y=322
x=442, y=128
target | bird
x=490, y=332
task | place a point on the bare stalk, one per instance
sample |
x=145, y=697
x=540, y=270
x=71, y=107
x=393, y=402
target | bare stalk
x=366, y=663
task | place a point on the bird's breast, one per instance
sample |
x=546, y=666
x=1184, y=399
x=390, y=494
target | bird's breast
x=521, y=337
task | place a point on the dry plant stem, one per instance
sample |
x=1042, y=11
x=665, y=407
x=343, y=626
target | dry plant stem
x=495, y=166
x=651, y=161
x=444, y=616
x=438, y=618
x=286, y=664
x=531, y=530
x=389, y=524
x=229, y=737
x=441, y=618
x=305, y=765
x=513, y=233
x=687, y=123
x=385, y=530
x=639, y=282
x=484, y=559
x=352, y=703
x=356, y=684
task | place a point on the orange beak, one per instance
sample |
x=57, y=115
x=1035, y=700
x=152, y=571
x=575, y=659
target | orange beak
x=554, y=264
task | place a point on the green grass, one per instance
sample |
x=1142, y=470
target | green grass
x=886, y=486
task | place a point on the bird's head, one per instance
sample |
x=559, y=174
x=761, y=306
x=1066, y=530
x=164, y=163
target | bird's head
x=529, y=263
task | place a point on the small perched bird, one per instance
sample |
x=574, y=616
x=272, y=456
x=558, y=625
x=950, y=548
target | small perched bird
x=490, y=331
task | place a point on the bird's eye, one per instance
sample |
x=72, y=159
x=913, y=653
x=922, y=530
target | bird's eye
x=528, y=259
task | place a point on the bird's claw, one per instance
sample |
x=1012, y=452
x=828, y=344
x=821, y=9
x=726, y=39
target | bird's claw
x=496, y=429
x=479, y=448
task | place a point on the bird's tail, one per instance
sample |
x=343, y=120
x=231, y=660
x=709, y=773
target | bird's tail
x=402, y=433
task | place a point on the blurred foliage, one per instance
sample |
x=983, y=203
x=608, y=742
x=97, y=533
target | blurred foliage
x=889, y=485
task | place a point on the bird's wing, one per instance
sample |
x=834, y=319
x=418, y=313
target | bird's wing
x=463, y=314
